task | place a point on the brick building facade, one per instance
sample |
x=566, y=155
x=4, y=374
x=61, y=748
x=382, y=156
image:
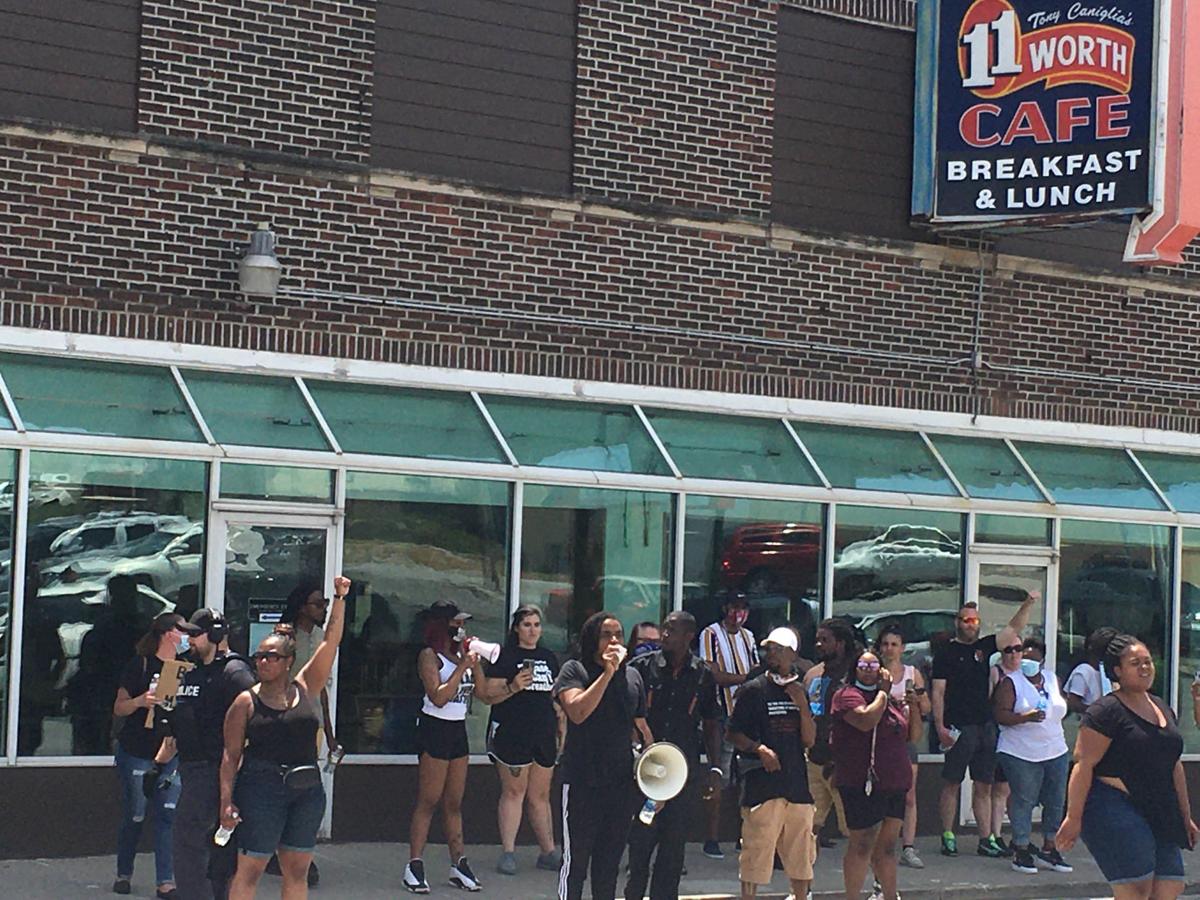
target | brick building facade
x=700, y=200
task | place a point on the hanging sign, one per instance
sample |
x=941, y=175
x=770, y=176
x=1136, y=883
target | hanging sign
x=1032, y=111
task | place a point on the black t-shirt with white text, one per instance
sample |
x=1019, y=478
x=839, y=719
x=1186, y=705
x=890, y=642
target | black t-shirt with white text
x=765, y=713
x=965, y=668
x=599, y=750
x=533, y=707
x=204, y=697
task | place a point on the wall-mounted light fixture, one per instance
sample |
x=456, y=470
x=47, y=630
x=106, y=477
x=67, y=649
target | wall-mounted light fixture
x=259, y=270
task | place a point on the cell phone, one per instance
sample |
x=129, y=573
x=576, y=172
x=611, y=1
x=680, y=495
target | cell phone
x=527, y=664
x=920, y=690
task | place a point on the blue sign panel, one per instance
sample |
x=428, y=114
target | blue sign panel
x=1029, y=110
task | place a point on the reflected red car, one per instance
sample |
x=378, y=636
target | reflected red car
x=768, y=558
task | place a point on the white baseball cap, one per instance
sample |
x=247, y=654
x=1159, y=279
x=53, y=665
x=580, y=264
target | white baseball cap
x=782, y=636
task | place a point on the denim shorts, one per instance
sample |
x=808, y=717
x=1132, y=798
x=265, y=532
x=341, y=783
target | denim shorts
x=274, y=816
x=1120, y=840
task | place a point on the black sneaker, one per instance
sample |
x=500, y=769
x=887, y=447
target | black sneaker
x=314, y=874
x=712, y=850
x=1006, y=849
x=122, y=886
x=461, y=876
x=988, y=848
x=1023, y=861
x=1050, y=859
x=414, y=877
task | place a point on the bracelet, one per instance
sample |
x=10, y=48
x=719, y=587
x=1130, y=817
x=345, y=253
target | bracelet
x=718, y=770
x=508, y=685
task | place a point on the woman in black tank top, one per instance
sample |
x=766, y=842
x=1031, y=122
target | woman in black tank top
x=271, y=749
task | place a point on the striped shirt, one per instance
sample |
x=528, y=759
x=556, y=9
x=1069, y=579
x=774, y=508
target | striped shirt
x=736, y=653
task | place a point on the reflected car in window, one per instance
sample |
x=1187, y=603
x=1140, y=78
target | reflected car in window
x=107, y=530
x=772, y=558
x=174, y=562
x=904, y=557
x=918, y=626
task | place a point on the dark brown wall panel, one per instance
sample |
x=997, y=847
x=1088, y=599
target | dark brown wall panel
x=70, y=62
x=479, y=90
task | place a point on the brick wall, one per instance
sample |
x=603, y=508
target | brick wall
x=286, y=75
x=143, y=246
x=673, y=103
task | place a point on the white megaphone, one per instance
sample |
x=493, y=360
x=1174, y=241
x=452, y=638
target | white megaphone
x=486, y=649
x=661, y=771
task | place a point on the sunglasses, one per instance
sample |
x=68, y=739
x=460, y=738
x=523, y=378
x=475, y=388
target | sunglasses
x=970, y=620
x=1015, y=648
x=869, y=666
x=270, y=655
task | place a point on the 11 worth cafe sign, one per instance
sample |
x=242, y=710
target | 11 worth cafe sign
x=1037, y=113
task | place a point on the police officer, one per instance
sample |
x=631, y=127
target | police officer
x=197, y=722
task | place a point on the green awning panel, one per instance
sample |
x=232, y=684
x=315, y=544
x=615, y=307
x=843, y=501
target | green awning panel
x=72, y=396
x=391, y=421
x=567, y=435
x=1176, y=475
x=986, y=468
x=254, y=411
x=874, y=459
x=1089, y=476
x=736, y=448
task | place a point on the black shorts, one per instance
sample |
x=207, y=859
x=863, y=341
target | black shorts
x=975, y=750
x=441, y=738
x=516, y=746
x=867, y=812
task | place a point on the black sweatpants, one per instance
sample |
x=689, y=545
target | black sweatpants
x=669, y=833
x=595, y=827
x=202, y=870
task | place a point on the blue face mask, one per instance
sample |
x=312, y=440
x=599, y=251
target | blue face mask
x=184, y=644
x=865, y=687
x=646, y=647
x=1030, y=667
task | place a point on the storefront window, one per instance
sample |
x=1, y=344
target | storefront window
x=768, y=550
x=409, y=541
x=1090, y=476
x=874, y=459
x=587, y=549
x=112, y=542
x=898, y=566
x=1189, y=637
x=255, y=411
x=1177, y=476
x=8, y=464
x=1119, y=575
x=996, y=529
x=985, y=467
x=244, y=481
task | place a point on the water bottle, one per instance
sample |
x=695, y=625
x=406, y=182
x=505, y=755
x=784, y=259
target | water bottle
x=649, y=808
x=221, y=838
x=954, y=733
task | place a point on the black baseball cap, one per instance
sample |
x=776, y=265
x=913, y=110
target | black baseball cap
x=447, y=609
x=170, y=621
x=203, y=620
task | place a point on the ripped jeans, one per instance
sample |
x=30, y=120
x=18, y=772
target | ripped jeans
x=134, y=808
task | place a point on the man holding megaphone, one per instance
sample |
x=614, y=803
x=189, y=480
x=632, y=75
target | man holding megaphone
x=680, y=695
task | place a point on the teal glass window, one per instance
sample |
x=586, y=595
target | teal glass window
x=391, y=421
x=874, y=459
x=566, y=435
x=255, y=411
x=731, y=448
x=72, y=396
x=1089, y=476
x=994, y=529
x=279, y=483
x=986, y=468
x=1177, y=476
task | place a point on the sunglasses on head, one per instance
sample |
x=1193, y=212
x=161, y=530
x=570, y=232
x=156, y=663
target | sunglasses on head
x=1015, y=648
x=869, y=665
x=270, y=654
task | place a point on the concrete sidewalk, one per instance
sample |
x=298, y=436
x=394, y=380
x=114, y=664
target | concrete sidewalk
x=372, y=872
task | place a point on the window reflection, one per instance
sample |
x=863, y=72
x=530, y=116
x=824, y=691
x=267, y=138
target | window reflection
x=768, y=550
x=583, y=550
x=1189, y=637
x=901, y=567
x=8, y=460
x=112, y=542
x=408, y=542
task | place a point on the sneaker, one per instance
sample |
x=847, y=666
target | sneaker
x=414, y=877
x=1006, y=849
x=713, y=850
x=949, y=844
x=551, y=861
x=273, y=866
x=507, y=864
x=908, y=857
x=988, y=848
x=876, y=892
x=314, y=874
x=1051, y=859
x=1023, y=861
x=461, y=876
x=122, y=886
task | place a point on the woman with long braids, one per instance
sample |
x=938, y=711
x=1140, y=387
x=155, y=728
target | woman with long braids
x=1127, y=795
x=271, y=749
x=523, y=737
x=451, y=676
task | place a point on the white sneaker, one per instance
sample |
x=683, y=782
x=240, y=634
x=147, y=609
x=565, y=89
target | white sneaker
x=414, y=877
x=908, y=857
x=461, y=876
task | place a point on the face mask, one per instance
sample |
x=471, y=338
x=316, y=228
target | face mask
x=1030, y=667
x=646, y=647
x=781, y=680
x=458, y=634
x=183, y=645
x=864, y=687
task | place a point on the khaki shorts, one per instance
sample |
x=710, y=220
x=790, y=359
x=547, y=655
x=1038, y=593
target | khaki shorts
x=777, y=827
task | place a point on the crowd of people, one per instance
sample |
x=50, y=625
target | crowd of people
x=230, y=766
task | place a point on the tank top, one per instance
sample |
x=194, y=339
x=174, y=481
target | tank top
x=1035, y=741
x=459, y=705
x=898, y=687
x=287, y=737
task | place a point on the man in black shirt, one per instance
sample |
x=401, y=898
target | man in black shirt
x=771, y=726
x=680, y=695
x=197, y=723
x=604, y=701
x=961, y=702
